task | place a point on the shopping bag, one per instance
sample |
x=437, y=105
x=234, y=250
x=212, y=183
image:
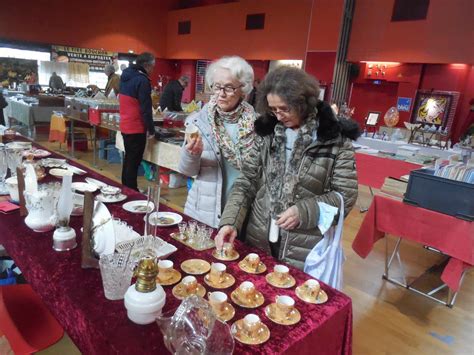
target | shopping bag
x=324, y=262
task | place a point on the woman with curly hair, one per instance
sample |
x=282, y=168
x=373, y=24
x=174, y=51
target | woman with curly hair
x=300, y=163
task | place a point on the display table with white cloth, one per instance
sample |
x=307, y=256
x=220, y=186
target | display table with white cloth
x=391, y=147
x=163, y=154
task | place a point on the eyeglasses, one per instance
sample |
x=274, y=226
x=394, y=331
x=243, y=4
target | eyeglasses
x=228, y=89
x=276, y=111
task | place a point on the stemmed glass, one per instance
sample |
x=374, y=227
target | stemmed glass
x=3, y=170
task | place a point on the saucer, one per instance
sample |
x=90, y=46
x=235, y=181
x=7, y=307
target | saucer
x=232, y=257
x=228, y=313
x=322, y=297
x=195, y=266
x=236, y=298
x=228, y=281
x=179, y=291
x=110, y=198
x=237, y=332
x=246, y=268
x=175, y=277
x=272, y=281
x=270, y=312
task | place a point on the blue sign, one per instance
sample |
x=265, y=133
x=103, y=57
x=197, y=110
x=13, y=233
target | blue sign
x=404, y=104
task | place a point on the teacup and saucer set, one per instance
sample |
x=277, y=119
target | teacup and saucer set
x=250, y=330
x=280, y=277
x=187, y=287
x=166, y=274
x=227, y=253
x=283, y=311
x=223, y=309
x=251, y=264
x=111, y=194
x=195, y=266
x=218, y=277
x=310, y=291
x=247, y=296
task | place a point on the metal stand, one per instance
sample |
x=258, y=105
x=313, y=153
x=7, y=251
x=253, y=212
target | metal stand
x=451, y=298
x=365, y=209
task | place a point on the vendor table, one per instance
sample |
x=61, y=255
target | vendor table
x=28, y=114
x=98, y=326
x=391, y=147
x=449, y=235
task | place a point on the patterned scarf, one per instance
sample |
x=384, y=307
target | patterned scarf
x=283, y=177
x=244, y=116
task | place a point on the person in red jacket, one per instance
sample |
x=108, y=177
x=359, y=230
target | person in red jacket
x=136, y=116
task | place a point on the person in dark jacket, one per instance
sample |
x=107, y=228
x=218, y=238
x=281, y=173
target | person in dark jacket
x=301, y=161
x=136, y=116
x=173, y=93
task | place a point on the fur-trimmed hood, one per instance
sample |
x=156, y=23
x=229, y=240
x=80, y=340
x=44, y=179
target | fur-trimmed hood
x=329, y=126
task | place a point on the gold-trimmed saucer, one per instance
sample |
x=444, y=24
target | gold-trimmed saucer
x=195, y=266
x=239, y=334
x=244, y=266
x=175, y=277
x=270, y=312
x=322, y=296
x=228, y=281
x=271, y=279
x=228, y=313
x=234, y=256
x=179, y=291
x=240, y=301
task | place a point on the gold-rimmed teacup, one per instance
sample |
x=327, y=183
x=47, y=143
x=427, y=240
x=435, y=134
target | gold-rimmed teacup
x=217, y=300
x=252, y=325
x=281, y=273
x=190, y=284
x=217, y=273
x=253, y=261
x=165, y=269
x=312, y=288
x=285, y=305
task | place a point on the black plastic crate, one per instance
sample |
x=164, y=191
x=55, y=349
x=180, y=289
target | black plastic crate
x=455, y=198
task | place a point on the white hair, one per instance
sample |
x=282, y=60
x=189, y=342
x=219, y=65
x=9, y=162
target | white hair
x=239, y=69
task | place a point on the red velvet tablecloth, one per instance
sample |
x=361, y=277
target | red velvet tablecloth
x=452, y=236
x=372, y=170
x=99, y=326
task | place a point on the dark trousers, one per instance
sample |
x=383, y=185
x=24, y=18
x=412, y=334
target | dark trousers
x=134, y=148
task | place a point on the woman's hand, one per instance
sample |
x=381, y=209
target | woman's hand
x=290, y=219
x=228, y=233
x=194, y=145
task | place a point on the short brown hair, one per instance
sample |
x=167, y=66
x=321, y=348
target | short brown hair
x=297, y=88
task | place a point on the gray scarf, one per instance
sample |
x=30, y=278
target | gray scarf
x=282, y=179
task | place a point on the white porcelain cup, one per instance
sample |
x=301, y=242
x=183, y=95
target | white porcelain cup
x=165, y=269
x=190, y=284
x=284, y=306
x=247, y=289
x=252, y=325
x=217, y=301
x=253, y=260
x=217, y=272
x=312, y=288
x=281, y=273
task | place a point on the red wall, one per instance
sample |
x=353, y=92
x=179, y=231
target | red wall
x=220, y=30
x=444, y=37
x=115, y=26
x=321, y=65
x=326, y=17
x=406, y=80
x=164, y=67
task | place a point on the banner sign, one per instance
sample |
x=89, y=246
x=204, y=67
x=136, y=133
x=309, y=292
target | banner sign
x=95, y=58
x=404, y=104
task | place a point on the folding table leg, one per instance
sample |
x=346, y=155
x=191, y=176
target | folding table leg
x=389, y=260
x=365, y=209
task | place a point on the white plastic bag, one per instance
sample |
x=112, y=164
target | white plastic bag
x=325, y=261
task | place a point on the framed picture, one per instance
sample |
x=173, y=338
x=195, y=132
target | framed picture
x=434, y=107
x=372, y=118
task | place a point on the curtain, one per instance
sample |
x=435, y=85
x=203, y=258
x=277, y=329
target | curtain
x=73, y=74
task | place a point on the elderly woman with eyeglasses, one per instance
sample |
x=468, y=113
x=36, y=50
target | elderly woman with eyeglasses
x=299, y=164
x=226, y=133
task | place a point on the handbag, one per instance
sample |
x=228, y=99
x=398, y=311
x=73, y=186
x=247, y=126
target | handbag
x=324, y=262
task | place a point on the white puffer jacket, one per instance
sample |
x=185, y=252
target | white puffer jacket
x=204, y=202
